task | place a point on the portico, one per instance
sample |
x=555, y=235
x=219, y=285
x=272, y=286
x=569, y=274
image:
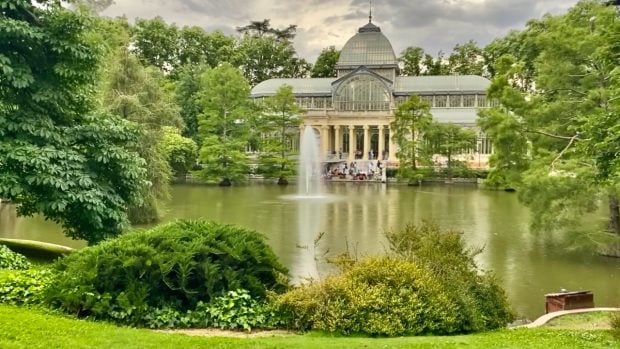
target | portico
x=352, y=113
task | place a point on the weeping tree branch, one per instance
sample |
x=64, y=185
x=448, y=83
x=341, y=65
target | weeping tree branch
x=572, y=140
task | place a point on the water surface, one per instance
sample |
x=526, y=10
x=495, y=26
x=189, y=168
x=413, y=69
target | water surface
x=354, y=217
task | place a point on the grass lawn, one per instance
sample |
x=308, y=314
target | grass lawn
x=28, y=328
x=582, y=321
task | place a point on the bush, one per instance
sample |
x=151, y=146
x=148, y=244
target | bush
x=12, y=260
x=24, y=287
x=171, y=267
x=233, y=311
x=481, y=302
x=377, y=296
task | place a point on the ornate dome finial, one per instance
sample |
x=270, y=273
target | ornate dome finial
x=370, y=13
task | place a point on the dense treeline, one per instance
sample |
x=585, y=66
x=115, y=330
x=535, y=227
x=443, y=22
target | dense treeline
x=98, y=114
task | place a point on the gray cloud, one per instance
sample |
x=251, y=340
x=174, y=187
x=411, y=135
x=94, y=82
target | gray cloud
x=431, y=24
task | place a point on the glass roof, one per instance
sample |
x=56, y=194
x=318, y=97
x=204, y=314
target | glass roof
x=368, y=47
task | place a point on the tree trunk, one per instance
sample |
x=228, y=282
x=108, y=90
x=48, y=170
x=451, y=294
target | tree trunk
x=449, y=168
x=614, y=214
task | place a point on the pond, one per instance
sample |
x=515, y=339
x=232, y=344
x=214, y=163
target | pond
x=354, y=217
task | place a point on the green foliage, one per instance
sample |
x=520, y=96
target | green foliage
x=267, y=57
x=136, y=94
x=279, y=125
x=614, y=320
x=155, y=42
x=176, y=265
x=557, y=127
x=448, y=140
x=57, y=158
x=325, y=65
x=466, y=59
x=410, y=122
x=233, y=311
x=479, y=303
x=12, y=260
x=24, y=287
x=382, y=296
x=224, y=124
x=181, y=152
x=187, y=98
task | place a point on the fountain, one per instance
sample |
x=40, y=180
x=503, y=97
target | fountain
x=309, y=178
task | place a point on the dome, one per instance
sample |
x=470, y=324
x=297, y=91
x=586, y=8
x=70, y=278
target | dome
x=368, y=47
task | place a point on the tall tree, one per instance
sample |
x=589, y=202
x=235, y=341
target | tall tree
x=135, y=93
x=410, y=121
x=263, y=28
x=280, y=124
x=156, y=43
x=186, y=92
x=223, y=124
x=448, y=140
x=412, y=59
x=263, y=58
x=57, y=157
x=197, y=47
x=416, y=62
x=325, y=66
x=266, y=53
x=562, y=111
x=467, y=59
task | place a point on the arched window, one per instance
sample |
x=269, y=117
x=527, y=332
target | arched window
x=362, y=93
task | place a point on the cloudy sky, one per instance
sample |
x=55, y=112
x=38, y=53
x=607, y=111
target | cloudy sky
x=431, y=24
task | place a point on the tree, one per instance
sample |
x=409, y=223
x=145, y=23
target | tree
x=263, y=28
x=449, y=139
x=561, y=113
x=156, y=43
x=181, y=152
x=325, y=66
x=223, y=124
x=186, y=93
x=466, y=59
x=412, y=61
x=266, y=53
x=410, y=122
x=135, y=93
x=280, y=124
x=197, y=47
x=415, y=62
x=58, y=157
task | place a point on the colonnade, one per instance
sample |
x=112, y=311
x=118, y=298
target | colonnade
x=355, y=142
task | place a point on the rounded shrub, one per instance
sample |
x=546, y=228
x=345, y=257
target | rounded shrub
x=174, y=266
x=481, y=303
x=12, y=260
x=382, y=296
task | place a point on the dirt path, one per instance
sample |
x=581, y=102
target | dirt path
x=214, y=332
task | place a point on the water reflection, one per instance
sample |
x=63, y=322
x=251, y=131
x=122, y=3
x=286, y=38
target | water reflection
x=529, y=265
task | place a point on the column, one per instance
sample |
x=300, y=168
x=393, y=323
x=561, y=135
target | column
x=324, y=142
x=337, y=141
x=392, y=150
x=381, y=143
x=351, y=143
x=366, y=143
